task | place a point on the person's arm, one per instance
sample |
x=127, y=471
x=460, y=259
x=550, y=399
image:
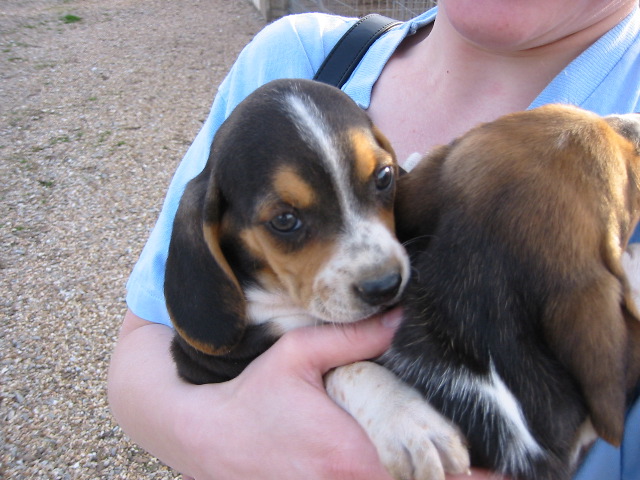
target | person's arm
x=273, y=421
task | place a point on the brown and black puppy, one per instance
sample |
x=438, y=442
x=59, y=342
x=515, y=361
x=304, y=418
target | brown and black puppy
x=520, y=326
x=291, y=223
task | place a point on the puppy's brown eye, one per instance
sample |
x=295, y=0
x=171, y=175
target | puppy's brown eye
x=384, y=178
x=285, y=223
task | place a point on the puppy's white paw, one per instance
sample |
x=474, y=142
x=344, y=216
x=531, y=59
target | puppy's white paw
x=413, y=440
x=416, y=443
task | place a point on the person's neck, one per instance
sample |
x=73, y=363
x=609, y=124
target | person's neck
x=516, y=75
x=437, y=85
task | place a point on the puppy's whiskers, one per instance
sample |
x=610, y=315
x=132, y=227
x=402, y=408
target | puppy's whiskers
x=411, y=241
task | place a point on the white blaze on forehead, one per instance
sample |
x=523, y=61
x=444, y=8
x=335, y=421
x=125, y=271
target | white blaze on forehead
x=365, y=247
x=315, y=131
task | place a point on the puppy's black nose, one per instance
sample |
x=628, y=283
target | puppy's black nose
x=379, y=291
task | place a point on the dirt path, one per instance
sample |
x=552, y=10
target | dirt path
x=98, y=103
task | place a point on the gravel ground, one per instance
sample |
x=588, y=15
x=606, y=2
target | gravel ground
x=99, y=100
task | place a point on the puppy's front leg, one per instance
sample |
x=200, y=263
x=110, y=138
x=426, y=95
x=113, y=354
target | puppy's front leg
x=413, y=440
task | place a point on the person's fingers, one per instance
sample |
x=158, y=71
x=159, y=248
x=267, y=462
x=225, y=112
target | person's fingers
x=328, y=346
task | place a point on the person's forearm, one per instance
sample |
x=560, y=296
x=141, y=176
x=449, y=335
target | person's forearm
x=273, y=407
x=245, y=428
x=145, y=392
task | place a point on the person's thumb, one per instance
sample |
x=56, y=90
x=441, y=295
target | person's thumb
x=324, y=347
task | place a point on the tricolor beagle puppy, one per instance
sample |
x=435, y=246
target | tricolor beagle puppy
x=519, y=321
x=291, y=223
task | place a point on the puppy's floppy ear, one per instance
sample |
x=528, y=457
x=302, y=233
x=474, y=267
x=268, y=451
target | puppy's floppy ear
x=589, y=331
x=204, y=298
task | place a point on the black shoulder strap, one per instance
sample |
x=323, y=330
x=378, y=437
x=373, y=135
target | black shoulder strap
x=347, y=53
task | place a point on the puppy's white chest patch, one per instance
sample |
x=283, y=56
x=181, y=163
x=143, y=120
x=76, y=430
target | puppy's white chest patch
x=276, y=308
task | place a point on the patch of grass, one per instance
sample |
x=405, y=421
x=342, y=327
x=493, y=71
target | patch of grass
x=46, y=183
x=70, y=19
x=26, y=164
x=44, y=66
x=103, y=136
x=59, y=139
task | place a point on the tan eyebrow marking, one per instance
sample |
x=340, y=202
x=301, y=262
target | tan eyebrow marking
x=365, y=156
x=291, y=188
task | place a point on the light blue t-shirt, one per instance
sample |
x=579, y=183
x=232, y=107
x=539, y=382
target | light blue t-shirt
x=605, y=79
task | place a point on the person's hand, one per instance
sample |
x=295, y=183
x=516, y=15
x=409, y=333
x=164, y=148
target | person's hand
x=276, y=421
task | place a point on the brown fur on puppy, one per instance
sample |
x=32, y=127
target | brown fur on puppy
x=520, y=325
x=289, y=224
